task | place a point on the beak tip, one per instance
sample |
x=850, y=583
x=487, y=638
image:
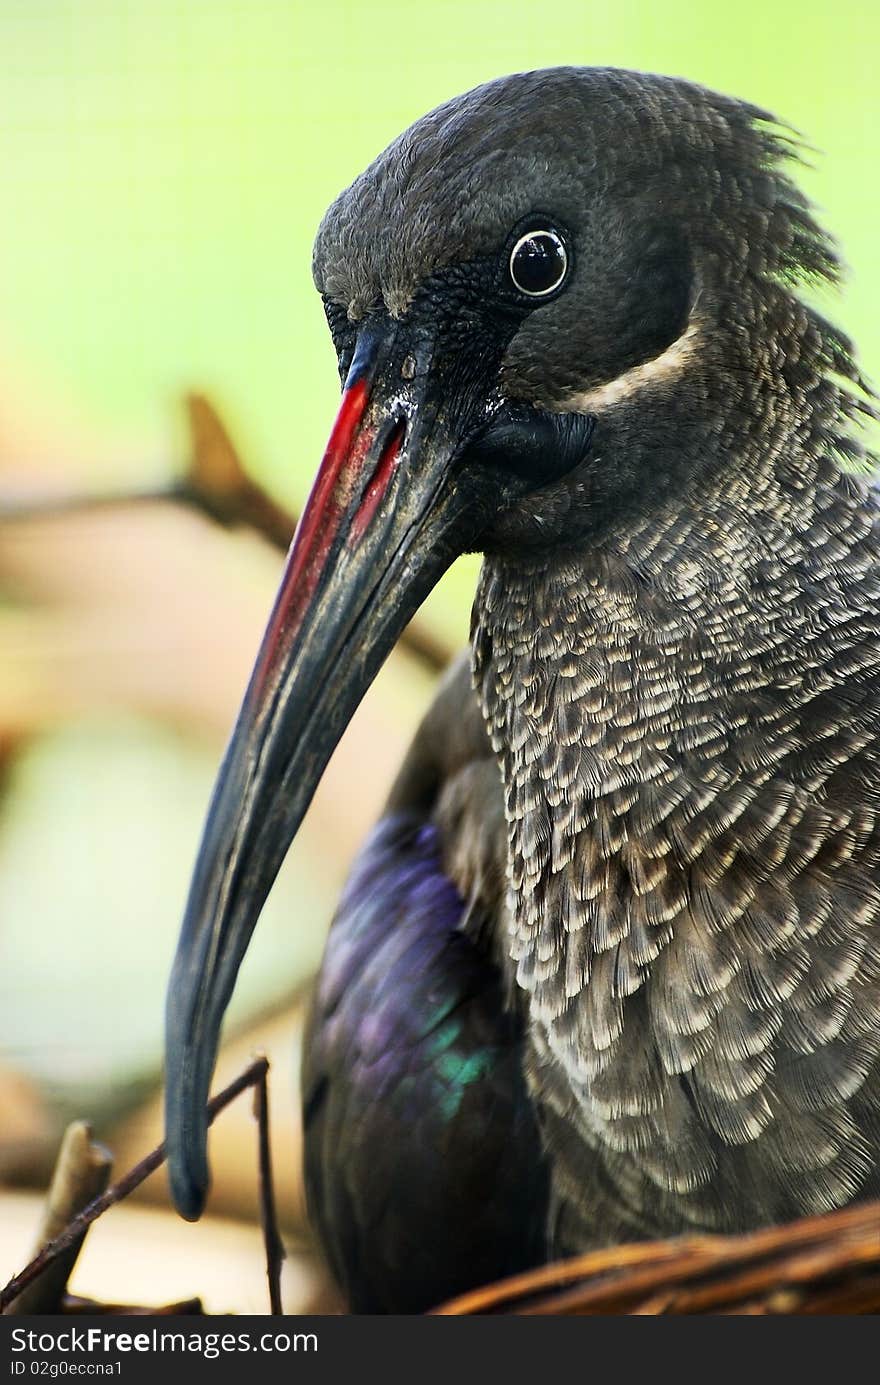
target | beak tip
x=188, y=1179
x=186, y=1125
x=189, y=1198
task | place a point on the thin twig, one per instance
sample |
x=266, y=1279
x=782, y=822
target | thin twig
x=251, y=1076
x=268, y=1212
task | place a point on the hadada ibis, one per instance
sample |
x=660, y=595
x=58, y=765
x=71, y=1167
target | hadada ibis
x=609, y=966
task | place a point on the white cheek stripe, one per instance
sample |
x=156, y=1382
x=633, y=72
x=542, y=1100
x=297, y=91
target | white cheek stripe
x=663, y=367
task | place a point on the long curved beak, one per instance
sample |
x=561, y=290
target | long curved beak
x=388, y=513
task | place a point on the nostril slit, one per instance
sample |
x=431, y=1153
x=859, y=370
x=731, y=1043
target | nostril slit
x=380, y=479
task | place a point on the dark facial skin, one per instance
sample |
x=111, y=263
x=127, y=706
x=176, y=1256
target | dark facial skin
x=466, y=317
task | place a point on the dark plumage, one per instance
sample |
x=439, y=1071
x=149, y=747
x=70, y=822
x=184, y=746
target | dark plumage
x=423, y=1157
x=672, y=858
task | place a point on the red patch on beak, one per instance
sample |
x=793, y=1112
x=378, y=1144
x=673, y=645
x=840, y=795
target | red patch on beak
x=379, y=482
x=318, y=529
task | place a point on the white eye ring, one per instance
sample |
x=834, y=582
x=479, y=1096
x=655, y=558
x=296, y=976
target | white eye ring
x=546, y=252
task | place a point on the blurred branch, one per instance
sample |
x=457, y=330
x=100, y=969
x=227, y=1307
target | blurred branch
x=256, y=1075
x=216, y=484
x=217, y=481
x=24, y=507
x=82, y=1172
x=827, y=1264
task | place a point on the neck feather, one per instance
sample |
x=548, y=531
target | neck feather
x=627, y=682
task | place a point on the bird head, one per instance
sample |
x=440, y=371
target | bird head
x=543, y=298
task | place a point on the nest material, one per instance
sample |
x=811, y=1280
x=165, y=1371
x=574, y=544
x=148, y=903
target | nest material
x=820, y=1265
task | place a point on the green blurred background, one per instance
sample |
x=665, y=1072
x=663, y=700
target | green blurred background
x=163, y=168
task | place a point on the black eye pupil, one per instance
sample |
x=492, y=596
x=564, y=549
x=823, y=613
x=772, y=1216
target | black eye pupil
x=538, y=262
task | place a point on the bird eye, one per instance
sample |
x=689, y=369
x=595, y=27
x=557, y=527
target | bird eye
x=538, y=263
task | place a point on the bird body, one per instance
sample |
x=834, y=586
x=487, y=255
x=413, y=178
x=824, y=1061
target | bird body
x=634, y=849
x=693, y=855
